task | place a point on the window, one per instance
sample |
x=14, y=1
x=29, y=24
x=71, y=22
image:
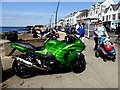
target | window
x=103, y=6
x=103, y=18
x=114, y=16
x=107, y=17
x=96, y=12
x=118, y=15
x=110, y=9
x=91, y=13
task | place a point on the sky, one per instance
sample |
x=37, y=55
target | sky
x=36, y=13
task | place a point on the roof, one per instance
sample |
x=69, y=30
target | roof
x=93, y=6
x=80, y=15
x=73, y=13
x=61, y=20
x=100, y=2
x=106, y=10
x=84, y=13
x=115, y=6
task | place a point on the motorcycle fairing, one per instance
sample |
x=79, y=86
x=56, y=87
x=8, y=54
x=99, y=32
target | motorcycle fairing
x=59, y=49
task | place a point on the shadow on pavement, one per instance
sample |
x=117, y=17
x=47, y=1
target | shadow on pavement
x=6, y=74
x=52, y=73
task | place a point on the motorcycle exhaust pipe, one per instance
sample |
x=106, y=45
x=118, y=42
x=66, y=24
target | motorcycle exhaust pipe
x=29, y=64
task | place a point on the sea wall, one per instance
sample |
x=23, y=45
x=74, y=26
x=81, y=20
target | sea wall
x=24, y=38
x=3, y=35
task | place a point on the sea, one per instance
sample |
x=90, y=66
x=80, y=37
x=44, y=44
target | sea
x=7, y=29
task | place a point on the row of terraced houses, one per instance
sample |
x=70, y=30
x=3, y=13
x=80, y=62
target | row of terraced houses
x=108, y=11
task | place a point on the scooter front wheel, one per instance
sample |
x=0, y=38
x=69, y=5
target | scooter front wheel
x=97, y=54
x=21, y=70
x=113, y=60
x=104, y=60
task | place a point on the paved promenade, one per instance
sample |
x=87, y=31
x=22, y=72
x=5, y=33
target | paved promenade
x=98, y=74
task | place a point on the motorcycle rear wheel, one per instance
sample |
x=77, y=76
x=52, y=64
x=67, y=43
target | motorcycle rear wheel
x=79, y=65
x=21, y=70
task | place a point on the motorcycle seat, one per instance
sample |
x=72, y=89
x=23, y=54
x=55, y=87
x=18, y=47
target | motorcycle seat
x=30, y=46
x=39, y=48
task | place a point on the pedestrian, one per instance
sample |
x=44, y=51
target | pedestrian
x=55, y=29
x=80, y=30
x=73, y=29
x=99, y=31
x=68, y=30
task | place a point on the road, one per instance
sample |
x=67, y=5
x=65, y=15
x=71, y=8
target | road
x=98, y=74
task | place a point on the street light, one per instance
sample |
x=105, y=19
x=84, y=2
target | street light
x=88, y=28
x=51, y=20
x=56, y=13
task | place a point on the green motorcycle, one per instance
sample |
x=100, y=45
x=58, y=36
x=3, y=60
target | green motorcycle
x=55, y=55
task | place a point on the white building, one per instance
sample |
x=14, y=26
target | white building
x=97, y=10
x=61, y=23
x=71, y=18
x=111, y=16
x=82, y=15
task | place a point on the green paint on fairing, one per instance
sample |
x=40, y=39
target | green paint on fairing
x=75, y=48
x=63, y=52
x=20, y=48
x=59, y=49
x=44, y=52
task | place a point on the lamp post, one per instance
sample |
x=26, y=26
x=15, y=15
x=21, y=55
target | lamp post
x=56, y=13
x=51, y=21
x=88, y=28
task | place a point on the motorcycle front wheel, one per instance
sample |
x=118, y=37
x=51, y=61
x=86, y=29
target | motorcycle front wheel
x=21, y=70
x=79, y=65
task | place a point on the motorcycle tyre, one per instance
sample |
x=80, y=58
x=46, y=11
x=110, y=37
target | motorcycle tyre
x=26, y=73
x=79, y=66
